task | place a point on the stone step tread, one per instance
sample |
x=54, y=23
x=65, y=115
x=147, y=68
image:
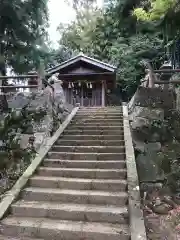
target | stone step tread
x=63, y=225
x=109, y=111
x=83, y=127
x=94, y=132
x=17, y=238
x=91, y=141
x=71, y=207
x=107, y=108
x=86, y=153
x=90, y=147
x=90, y=113
x=78, y=183
x=83, y=161
x=76, y=192
x=116, y=111
x=101, y=111
x=83, y=172
x=102, y=137
x=97, y=109
x=85, y=137
x=99, y=115
x=101, y=108
x=108, y=135
x=83, y=169
x=91, y=130
x=85, y=180
x=95, y=125
x=97, y=121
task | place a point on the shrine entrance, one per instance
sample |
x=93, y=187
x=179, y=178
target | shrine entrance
x=85, y=94
x=85, y=80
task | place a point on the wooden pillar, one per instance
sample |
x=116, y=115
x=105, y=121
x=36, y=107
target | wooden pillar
x=103, y=95
x=82, y=99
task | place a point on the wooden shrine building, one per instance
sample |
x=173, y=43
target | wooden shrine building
x=85, y=80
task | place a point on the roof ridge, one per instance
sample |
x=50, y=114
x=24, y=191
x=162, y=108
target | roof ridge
x=81, y=56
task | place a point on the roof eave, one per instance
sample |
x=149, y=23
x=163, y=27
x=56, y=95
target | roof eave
x=85, y=59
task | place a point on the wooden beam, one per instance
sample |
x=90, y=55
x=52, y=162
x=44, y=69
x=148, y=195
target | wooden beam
x=86, y=74
x=167, y=71
x=18, y=77
x=167, y=82
x=19, y=86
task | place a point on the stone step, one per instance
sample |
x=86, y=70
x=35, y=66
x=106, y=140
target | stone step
x=97, y=109
x=99, y=121
x=56, y=163
x=94, y=132
x=83, y=173
x=96, y=124
x=79, y=183
x=106, y=113
x=99, y=117
x=63, y=230
x=86, y=156
x=75, y=142
x=73, y=212
x=89, y=149
x=75, y=196
x=17, y=238
x=100, y=108
x=92, y=137
x=117, y=111
x=83, y=127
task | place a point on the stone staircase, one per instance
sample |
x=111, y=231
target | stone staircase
x=80, y=190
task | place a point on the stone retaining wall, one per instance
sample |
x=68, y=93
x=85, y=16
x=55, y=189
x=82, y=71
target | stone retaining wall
x=50, y=102
x=147, y=106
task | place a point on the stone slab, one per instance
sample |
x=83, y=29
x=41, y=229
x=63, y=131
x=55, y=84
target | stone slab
x=58, y=230
x=153, y=97
x=137, y=227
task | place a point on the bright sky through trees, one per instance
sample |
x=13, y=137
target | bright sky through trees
x=60, y=12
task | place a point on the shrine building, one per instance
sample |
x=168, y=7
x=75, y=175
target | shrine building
x=86, y=80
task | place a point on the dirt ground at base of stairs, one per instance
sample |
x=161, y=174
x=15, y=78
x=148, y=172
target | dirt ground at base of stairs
x=161, y=227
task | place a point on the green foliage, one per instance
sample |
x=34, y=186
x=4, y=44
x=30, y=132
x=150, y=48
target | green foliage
x=55, y=57
x=158, y=10
x=22, y=29
x=166, y=15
